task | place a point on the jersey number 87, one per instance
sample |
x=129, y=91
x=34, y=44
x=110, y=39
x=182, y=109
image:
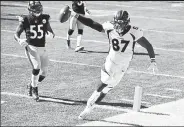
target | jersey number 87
x=116, y=47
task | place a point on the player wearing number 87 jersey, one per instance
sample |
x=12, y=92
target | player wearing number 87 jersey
x=36, y=25
x=122, y=37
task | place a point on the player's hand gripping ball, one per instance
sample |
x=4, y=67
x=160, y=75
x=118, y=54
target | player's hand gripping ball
x=64, y=14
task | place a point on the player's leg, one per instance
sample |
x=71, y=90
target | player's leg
x=72, y=25
x=80, y=27
x=33, y=56
x=44, y=65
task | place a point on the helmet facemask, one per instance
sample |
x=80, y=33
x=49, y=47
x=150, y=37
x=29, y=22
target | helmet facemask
x=121, y=21
x=35, y=8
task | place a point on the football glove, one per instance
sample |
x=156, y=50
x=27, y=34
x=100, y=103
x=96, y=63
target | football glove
x=87, y=11
x=23, y=42
x=153, y=66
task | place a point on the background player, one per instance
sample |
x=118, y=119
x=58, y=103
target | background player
x=78, y=7
x=122, y=37
x=36, y=25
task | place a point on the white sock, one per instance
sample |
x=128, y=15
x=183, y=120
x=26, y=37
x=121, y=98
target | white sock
x=67, y=37
x=34, y=80
x=93, y=98
x=79, y=38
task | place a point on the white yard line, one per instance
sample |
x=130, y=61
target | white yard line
x=2, y=102
x=130, y=6
x=41, y=98
x=112, y=12
x=104, y=42
x=156, y=95
x=83, y=64
x=175, y=90
x=143, y=102
x=165, y=75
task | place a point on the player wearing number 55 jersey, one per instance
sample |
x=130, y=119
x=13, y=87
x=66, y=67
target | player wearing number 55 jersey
x=36, y=25
x=122, y=37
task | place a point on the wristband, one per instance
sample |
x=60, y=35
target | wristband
x=153, y=60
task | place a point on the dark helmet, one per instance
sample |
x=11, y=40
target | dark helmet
x=121, y=20
x=35, y=7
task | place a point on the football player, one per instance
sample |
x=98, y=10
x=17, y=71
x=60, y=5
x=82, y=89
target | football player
x=78, y=7
x=122, y=38
x=36, y=25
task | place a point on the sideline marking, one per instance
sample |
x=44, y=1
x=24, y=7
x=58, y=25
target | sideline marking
x=112, y=12
x=156, y=95
x=41, y=98
x=3, y=102
x=170, y=89
x=69, y=102
x=82, y=64
x=105, y=42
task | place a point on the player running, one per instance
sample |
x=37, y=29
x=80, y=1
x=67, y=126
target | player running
x=78, y=7
x=122, y=38
x=36, y=25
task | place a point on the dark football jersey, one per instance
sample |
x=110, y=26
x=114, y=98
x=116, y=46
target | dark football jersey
x=35, y=29
x=78, y=7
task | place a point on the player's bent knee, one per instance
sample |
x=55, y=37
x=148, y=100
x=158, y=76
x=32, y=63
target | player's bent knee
x=101, y=87
x=106, y=90
x=80, y=31
x=35, y=71
x=70, y=32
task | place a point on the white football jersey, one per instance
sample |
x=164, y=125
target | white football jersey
x=121, y=47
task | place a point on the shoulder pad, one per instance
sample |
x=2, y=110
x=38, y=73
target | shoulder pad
x=136, y=31
x=46, y=16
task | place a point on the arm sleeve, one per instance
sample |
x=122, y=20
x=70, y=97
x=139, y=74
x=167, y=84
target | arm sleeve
x=146, y=44
x=89, y=22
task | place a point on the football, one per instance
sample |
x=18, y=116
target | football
x=64, y=14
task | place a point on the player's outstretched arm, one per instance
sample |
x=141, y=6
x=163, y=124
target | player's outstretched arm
x=146, y=44
x=89, y=22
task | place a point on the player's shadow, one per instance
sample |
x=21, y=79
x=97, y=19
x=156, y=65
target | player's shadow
x=139, y=53
x=119, y=104
x=76, y=102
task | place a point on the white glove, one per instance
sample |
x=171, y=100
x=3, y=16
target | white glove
x=49, y=34
x=23, y=42
x=88, y=11
x=153, y=67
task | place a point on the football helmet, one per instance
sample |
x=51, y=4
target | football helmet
x=35, y=8
x=121, y=20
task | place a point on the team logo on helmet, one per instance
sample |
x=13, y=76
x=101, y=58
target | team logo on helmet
x=44, y=21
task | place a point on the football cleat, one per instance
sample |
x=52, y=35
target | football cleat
x=86, y=111
x=29, y=88
x=35, y=93
x=68, y=44
x=79, y=48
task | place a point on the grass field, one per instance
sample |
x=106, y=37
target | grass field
x=74, y=76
